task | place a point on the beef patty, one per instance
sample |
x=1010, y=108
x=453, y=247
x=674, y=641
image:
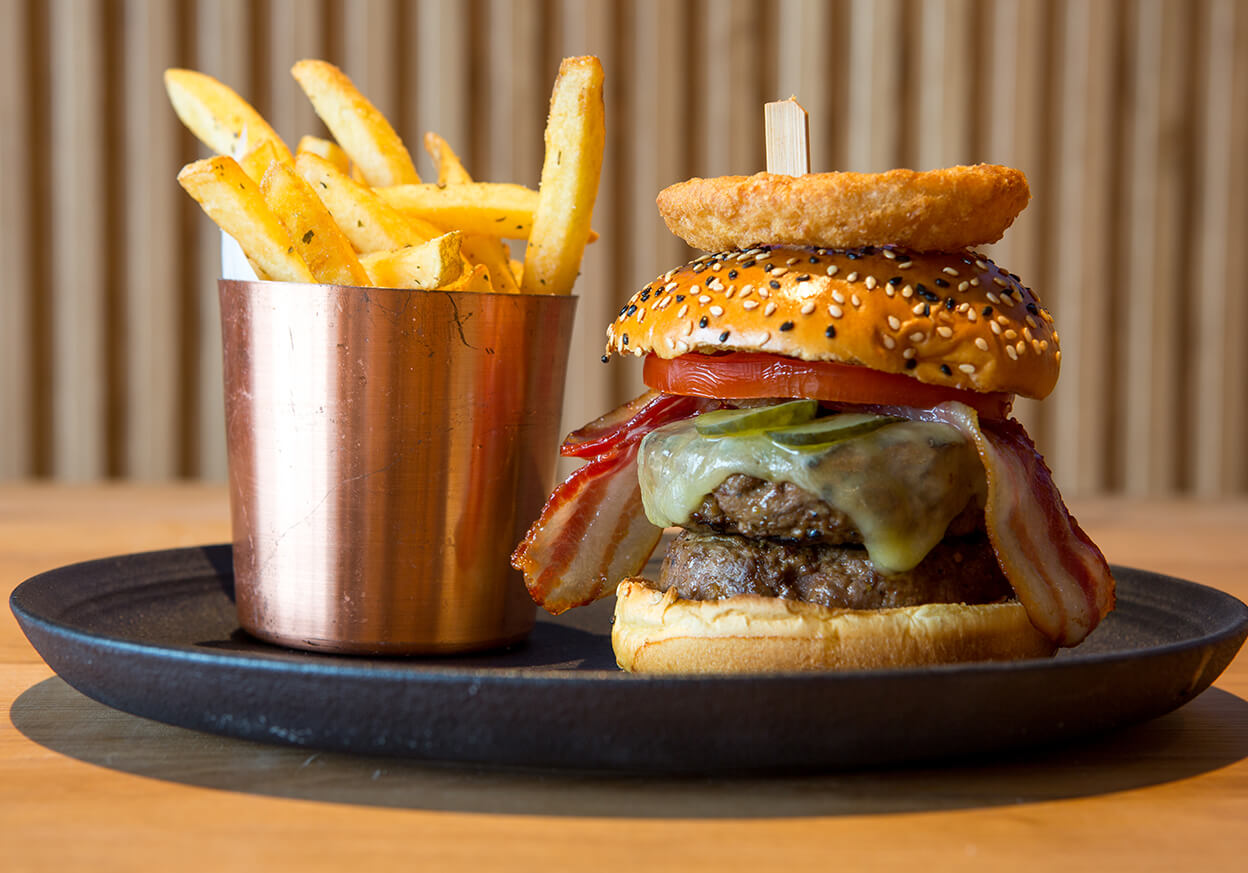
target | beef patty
x=702, y=566
x=755, y=507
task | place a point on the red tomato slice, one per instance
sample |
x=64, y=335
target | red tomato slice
x=756, y=374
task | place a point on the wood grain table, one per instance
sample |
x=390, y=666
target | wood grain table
x=84, y=787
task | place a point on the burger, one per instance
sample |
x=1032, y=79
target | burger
x=828, y=432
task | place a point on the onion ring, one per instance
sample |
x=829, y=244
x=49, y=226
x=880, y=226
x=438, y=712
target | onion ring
x=937, y=210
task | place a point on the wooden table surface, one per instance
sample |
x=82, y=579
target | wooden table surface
x=85, y=787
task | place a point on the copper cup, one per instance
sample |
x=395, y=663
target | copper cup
x=387, y=450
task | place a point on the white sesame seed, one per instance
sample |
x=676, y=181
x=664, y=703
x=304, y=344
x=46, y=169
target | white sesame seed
x=871, y=283
x=949, y=271
x=1031, y=322
x=981, y=343
x=894, y=322
x=770, y=308
x=835, y=311
x=1057, y=356
x=997, y=280
x=1009, y=350
x=764, y=338
x=975, y=282
x=747, y=291
x=704, y=299
x=907, y=292
x=808, y=307
x=641, y=315
x=890, y=254
x=993, y=298
x=1035, y=344
x=917, y=309
x=838, y=296
x=962, y=286
x=684, y=309
x=945, y=331
x=763, y=292
x=996, y=328
x=852, y=277
x=792, y=261
x=749, y=304
x=966, y=368
x=778, y=272
x=903, y=265
x=855, y=299
x=718, y=265
x=909, y=353
x=732, y=289
x=670, y=286
x=981, y=264
x=889, y=290
x=1011, y=334
x=917, y=336
x=889, y=342
x=717, y=310
x=682, y=346
x=1020, y=347
x=832, y=270
x=716, y=285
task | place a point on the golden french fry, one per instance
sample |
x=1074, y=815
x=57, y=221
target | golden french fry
x=362, y=131
x=217, y=115
x=490, y=208
x=450, y=170
x=368, y=222
x=427, y=266
x=575, y=138
x=234, y=202
x=256, y=162
x=317, y=239
x=476, y=280
x=325, y=148
x=489, y=251
x=492, y=253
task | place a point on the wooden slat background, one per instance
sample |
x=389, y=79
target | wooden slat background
x=1130, y=118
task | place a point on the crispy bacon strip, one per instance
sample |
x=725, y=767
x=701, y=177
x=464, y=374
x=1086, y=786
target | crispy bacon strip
x=593, y=530
x=1057, y=572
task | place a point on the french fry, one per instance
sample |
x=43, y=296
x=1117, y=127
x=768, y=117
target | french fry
x=256, y=162
x=217, y=115
x=489, y=251
x=325, y=148
x=234, y=202
x=362, y=131
x=427, y=266
x=491, y=208
x=476, y=281
x=575, y=138
x=450, y=170
x=317, y=239
x=368, y=222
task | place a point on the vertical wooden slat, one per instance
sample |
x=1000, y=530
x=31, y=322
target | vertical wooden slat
x=440, y=75
x=876, y=87
x=370, y=51
x=222, y=48
x=78, y=282
x=517, y=91
x=149, y=281
x=1235, y=390
x=730, y=138
x=802, y=34
x=945, y=63
x=16, y=241
x=1211, y=284
x=295, y=30
x=1080, y=241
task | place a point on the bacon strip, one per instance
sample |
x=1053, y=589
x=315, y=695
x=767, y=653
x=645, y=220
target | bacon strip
x=1057, y=572
x=593, y=530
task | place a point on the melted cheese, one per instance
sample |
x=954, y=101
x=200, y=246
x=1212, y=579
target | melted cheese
x=901, y=485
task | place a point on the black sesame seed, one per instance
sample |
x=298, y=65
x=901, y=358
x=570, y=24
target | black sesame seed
x=830, y=333
x=895, y=281
x=788, y=325
x=645, y=295
x=709, y=280
x=869, y=250
x=927, y=309
x=624, y=340
x=911, y=363
x=624, y=311
x=745, y=265
x=774, y=284
x=927, y=295
x=768, y=267
x=1033, y=309
x=805, y=277
x=950, y=303
x=698, y=268
x=944, y=368
x=680, y=298
x=987, y=313
x=853, y=256
x=732, y=274
x=605, y=359
x=813, y=259
x=941, y=283
x=632, y=309
x=723, y=337
x=702, y=322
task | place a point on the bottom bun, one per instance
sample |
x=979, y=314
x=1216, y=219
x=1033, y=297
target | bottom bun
x=658, y=632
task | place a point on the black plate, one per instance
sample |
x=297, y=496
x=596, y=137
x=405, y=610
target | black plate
x=155, y=635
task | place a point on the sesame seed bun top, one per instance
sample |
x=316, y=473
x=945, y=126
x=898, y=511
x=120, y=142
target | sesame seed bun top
x=954, y=320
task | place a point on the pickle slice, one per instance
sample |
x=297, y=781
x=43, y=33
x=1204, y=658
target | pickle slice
x=730, y=422
x=823, y=432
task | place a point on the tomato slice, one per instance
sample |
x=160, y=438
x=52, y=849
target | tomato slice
x=740, y=375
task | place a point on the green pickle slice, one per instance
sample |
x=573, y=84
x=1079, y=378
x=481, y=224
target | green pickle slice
x=730, y=422
x=823, y=432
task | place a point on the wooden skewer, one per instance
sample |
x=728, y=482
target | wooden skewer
x=788, y=138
